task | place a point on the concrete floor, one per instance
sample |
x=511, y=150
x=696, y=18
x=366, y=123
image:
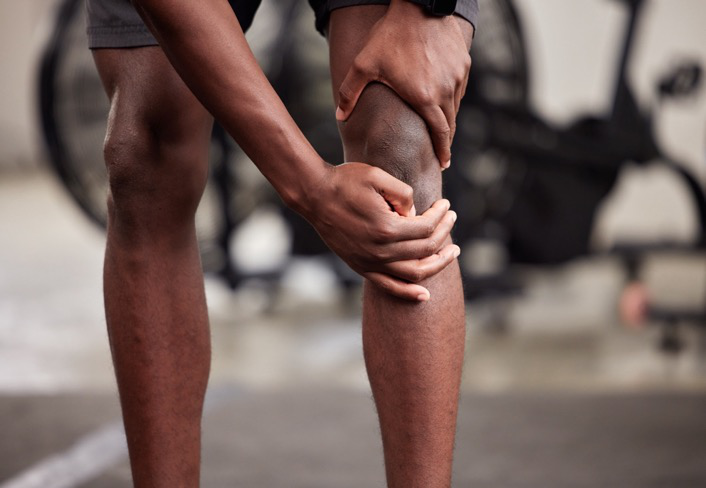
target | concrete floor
x=564, y=398
x=316, y=437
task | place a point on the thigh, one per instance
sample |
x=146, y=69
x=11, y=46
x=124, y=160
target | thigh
x=347, y=31
x=158, y=136
x=145, y=90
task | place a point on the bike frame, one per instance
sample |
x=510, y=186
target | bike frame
x=605, y=143
x=622, y=92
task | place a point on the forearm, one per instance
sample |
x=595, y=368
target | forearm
x=364, y=214
x=206, y=45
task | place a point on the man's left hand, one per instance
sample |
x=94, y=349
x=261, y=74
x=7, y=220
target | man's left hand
x=424, y=59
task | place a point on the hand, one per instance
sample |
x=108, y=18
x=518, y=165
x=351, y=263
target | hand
x=424, y=59
x=367, y=217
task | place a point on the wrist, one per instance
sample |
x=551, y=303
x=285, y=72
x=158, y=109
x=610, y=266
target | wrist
x=299, y=193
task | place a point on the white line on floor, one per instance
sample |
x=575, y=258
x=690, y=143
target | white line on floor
x=86, y=459
x=91, y=455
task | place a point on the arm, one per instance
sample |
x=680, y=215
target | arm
x=363, y=214
x=424, y=59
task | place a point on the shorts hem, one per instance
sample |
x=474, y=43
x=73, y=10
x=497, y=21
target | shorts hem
x=466, y=10
x=116, y=37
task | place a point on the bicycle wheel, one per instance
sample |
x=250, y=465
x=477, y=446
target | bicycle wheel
x=500, y=71
x=74, y=110
x=480, y=175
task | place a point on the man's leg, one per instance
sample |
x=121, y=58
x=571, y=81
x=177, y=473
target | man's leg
x=156, y=155
x=413, y=351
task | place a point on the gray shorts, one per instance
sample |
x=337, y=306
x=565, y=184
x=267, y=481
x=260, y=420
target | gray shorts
x=116, y=24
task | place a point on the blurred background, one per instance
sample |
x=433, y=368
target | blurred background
x=578, y=175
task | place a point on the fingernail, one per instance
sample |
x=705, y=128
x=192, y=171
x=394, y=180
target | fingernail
x=414, y=211
x=457, y=251
x=423, y=297
x=446, y=164
x=339, y=114
x=454, y=216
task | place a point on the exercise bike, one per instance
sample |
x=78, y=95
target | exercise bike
x=538, y=186
x=523, y=187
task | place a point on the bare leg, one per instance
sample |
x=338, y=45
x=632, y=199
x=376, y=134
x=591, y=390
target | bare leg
x=413, y=351
x=156, y=155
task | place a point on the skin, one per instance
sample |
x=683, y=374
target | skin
x=424, y=59
x=375, y=223
x=155, y=154
x=413, y=352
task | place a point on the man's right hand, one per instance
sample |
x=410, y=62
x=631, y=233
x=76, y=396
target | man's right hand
x=367, y=217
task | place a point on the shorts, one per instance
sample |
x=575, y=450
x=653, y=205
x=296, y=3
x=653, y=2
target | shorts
x=116, y=23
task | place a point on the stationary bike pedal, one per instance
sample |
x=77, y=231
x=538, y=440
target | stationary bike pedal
x=681, y=81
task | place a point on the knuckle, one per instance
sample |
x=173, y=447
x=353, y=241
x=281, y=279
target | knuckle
x=467, y=62
x=417, y=275
x=461, y=78
x=380, y=254
x=368, y=252
x=449, y=87
x=376, y=174
x=425, y=98
x=386, y=232
x=360, y=71
x=358, y=68
x=378, y=281
x=384, y=284
x=344, y=95
x=444, y=131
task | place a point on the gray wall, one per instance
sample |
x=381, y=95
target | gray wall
x=22, y=25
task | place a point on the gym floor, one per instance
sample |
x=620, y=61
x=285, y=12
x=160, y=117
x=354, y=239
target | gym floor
x=560, y=396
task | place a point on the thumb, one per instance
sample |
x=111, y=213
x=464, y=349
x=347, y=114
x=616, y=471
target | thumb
x=352, y=86
x=396, y=193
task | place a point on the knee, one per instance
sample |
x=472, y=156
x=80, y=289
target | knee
x=151, y=175
x=384, y=131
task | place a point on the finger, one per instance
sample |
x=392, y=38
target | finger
x=398, y=194
x=450, y=113
x=462, y=91
x=465, y=86
x=416, y=270
x=439, y=131
x=420, y=248
x=424, y=225
x=458, y=94
x=398, y=288
x=348, y=93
